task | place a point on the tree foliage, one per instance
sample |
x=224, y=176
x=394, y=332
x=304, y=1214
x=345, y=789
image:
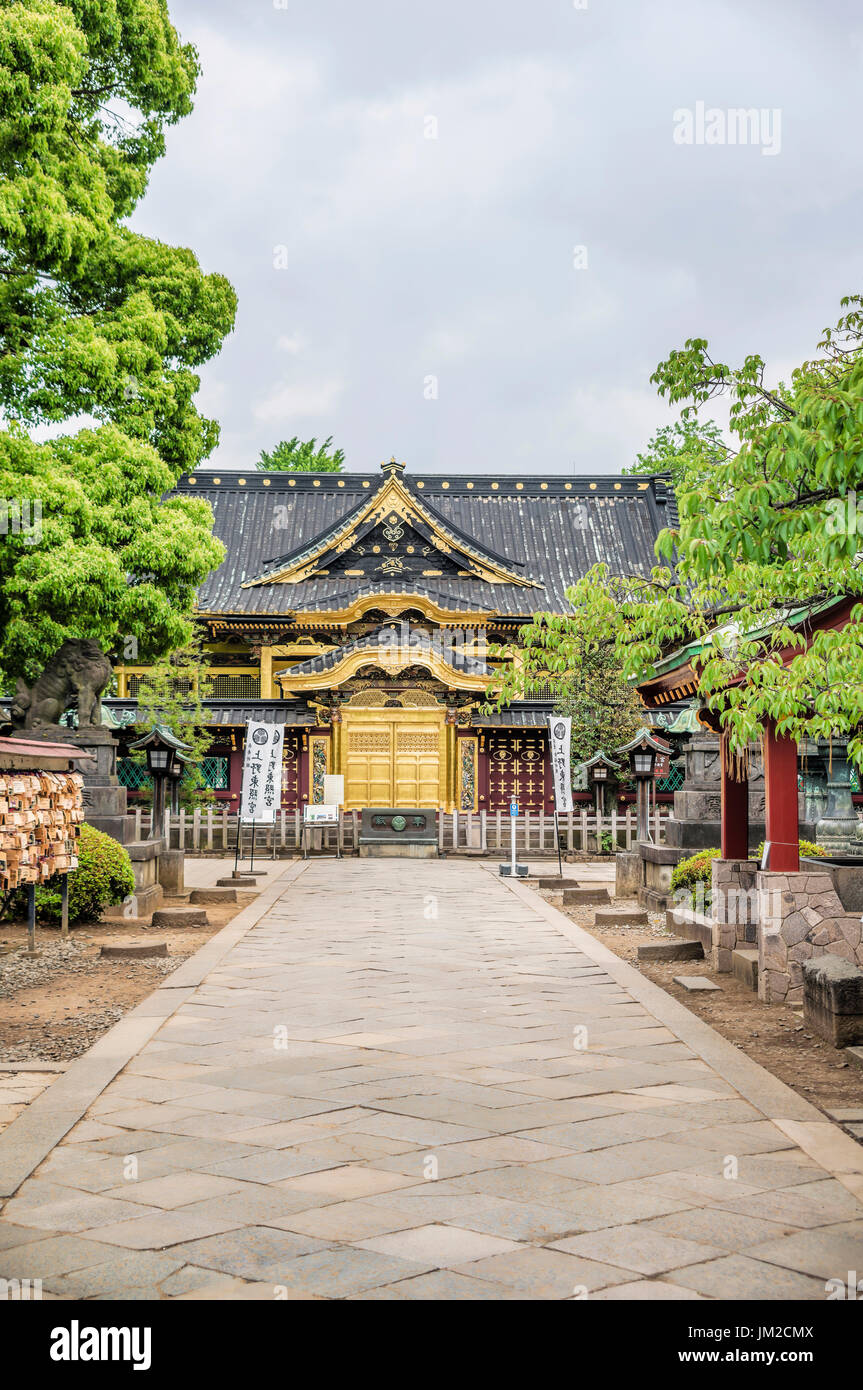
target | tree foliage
x=171, y=692
x=764, y=539
x=99, y=322
x=687, y=443
x=551, y=657
x=293, y=456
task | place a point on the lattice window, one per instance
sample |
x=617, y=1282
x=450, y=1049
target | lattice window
x=369, y=743
x=132, y=775
x=416, y=743
x=215, y=773
x=236, y=687
x=673, y=782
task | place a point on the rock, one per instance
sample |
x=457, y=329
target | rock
x=672, y=950
x=695, y=983
x=237, y=881
x=180, y=917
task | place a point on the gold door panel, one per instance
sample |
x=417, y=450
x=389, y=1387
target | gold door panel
x=393, y=758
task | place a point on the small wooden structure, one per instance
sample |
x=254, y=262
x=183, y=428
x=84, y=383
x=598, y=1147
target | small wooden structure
x=41, y=810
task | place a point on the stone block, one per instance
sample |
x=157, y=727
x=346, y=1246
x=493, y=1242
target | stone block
x=578, y=897
x=133, y=950
x=237, y=881
x=744, y=967
x=695, y=984
x=627, y=873
x=171, y=867
x=620, y=916
x=213, y=895
x=671, y=950
x=180, y=917
x=833, y=999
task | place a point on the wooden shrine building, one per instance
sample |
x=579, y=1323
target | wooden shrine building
x=359, y=610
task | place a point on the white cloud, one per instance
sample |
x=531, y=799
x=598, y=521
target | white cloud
x=298, y=400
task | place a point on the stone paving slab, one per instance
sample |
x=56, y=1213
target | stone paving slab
x=416, y=1081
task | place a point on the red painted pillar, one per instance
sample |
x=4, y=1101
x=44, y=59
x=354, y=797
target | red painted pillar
x=735, y=810
x=780, y=784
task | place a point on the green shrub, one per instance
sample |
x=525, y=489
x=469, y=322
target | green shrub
x=103, y=877
x=607, y=843
x=692, y=871
x=808, y=850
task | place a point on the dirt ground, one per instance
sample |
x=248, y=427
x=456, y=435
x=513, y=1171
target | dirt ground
x=54, y=1006
x=772, y=1034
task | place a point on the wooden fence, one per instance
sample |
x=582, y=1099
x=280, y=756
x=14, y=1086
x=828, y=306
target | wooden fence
x=214, y=831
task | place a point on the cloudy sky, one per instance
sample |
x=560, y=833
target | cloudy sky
x=465, y=231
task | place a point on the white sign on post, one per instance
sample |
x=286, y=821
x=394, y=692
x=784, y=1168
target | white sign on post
x=262, y=773
x=319, y=814
x=559, y=735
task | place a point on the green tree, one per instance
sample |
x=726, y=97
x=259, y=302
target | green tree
x=293, y=456
x=551, y=658
x=687, y=443
x=768, y=537
x=97, y=321
x=171, y=693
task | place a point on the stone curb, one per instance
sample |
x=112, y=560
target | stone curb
x=801, y=1122
x=47, y=1119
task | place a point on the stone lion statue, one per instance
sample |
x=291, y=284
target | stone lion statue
x=76, y=674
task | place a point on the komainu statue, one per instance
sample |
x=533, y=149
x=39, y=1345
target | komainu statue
x=76, y=674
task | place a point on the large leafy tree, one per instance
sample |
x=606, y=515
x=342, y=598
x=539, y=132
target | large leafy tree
x=295, y=456
x=766, y=538
x=99, y=322
x=551, y=658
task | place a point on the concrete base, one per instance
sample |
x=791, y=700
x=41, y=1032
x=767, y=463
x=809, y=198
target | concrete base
x=744, y=967
x=396, y=851
x=520, y=871
x=690, y=925
x=149, y=893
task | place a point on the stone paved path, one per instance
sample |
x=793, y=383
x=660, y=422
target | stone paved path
x=408, y=1081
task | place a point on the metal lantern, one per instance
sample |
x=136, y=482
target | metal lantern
x=642, y=752
x=601, y=770
x=165, y=758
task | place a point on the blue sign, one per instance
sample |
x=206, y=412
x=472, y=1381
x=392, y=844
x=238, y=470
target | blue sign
x=513, y=808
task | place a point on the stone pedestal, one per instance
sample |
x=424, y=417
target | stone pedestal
x=171, y=872
x=833, y=1000
x=697, y=819
x=734, y=908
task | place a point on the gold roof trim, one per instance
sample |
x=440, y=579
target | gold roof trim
x=392, y=497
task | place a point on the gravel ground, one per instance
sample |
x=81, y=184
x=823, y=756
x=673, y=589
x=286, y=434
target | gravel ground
x=62, y=1040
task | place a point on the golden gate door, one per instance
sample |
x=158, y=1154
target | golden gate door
x=393, y=758
x=418, y=757
x=369, y=758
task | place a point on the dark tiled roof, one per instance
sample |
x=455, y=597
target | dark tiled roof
x=418, y=644
x=512, y=718
x=226, y=713
x=557, y=527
